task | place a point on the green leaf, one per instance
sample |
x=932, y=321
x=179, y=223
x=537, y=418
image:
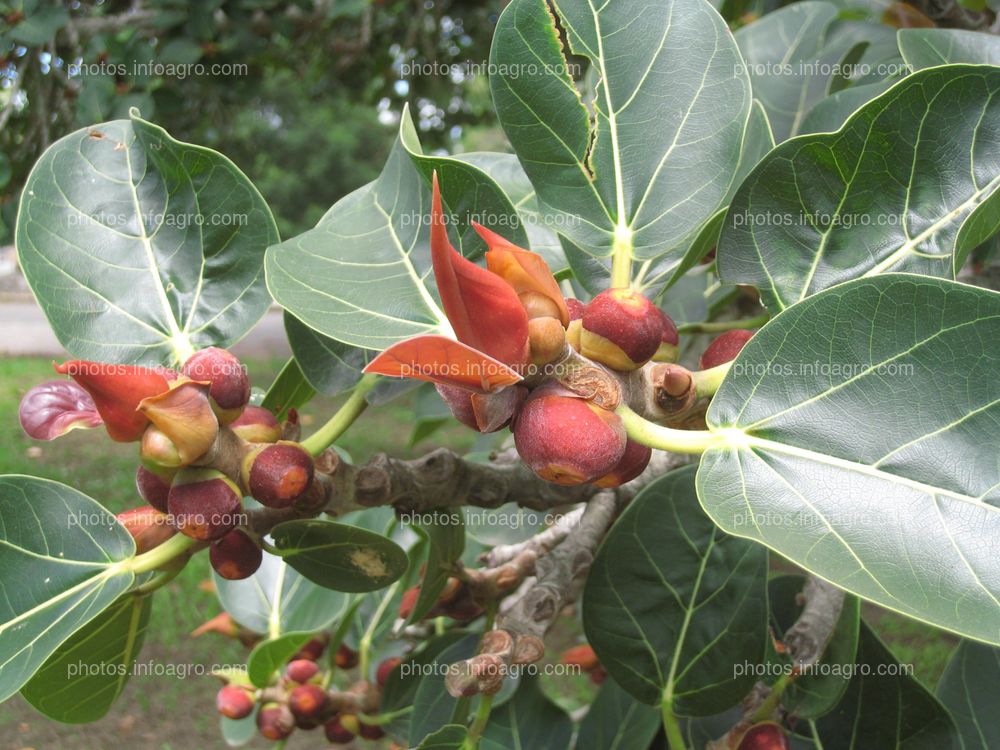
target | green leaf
x=448, y=737
x=339, y=556
x=64, y=561
x=840, y=423
x=433, y=707
x=970, y=690
x=908, y=184
x=529, y=720
x=329, y=366
x=831, y=113
x=41, y=25
x=926, y=48
x=290, y=390
x=140, y=248
x=277, y=600
x=662, y=151
x=616, y=721
x=445, y=531
x=884, y=707
x=271, y=655
x=83, y=678
x=671, y=603
x=818, y=691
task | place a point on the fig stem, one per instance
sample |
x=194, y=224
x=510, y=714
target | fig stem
x=721, y=326
x=773, y=700
x=667, y=438
x=621, y=258
x=158, y=581
x=672, y=728
x=157, y=557
x=365, y=644
x=337, y=425
x=479, y=723
x=707, y=382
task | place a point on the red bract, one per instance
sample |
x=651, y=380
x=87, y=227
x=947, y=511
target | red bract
x=117, y=391
x=52, y=409
x=483, y=309
x=439, y=359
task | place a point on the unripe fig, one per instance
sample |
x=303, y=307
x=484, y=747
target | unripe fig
x=766, y=735
x=337, y=733
x=621, y=329
x=149, y=527
x=576, y=308
x=234, y=702
x=633, y=462
x=350, y=723
x=204, y=503
x=154, y=486
x=275, y=721
x=229, y=385
x=567, y=440
x=157, y=451
x=385, y=668
x=301, y=670
x=346, y=658
x=582, y=657
x=236, y=555
x=598, y=675
x=724, y=348
x=372, y=732
x=257, y=425
x=307, y=701
x=313, y=648
x=669, y=348
x=277, y=475
x=546, y=338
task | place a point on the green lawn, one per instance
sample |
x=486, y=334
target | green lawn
x=159, y=713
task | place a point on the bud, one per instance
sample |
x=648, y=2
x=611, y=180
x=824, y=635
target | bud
x=234, y=702
x=154, y=486
x=566, y=439
x=235, y=556
x=460, y=682
x=301, y=670
x=621, y=329
x=385, y=668
x=275, y=721
x=183, y=413
x=724, y=348
x=632, y=463
x=528, y=649
x=157, y=451
x=307, y=701
x=346, y=658
x=117, y=391
x=669, y=349
x=149, y=527
x=229, y=386
x=489, y=670
x=204, y=503
x=766, y=735
x=547, y=340
x=257, y=425
x=337, y=733
x=498, y=642
x=277, y=475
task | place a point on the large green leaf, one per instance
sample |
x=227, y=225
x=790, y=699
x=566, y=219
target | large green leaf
x=970, y=690
x=908, y=184
x=858, y=439
x=663, y=148
x=83, y=678
x=64, y=561
x=529, y=720
x=277, y=600
x=141, y=248
x=272, y=654
x=925, y=48
x=884, y=707
x=671, y=603
x=339, y=556
x=433, y=706
x=290, y=390
x=617, y=721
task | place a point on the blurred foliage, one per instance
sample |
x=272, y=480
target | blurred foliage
x=302, y=95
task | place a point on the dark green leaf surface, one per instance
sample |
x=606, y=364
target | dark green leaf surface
x=671, y=603
x=141, y=248
x=970, y=690
x=449, y=737
x=908, y=184
x=617, y=721
x=271, y=655
x=329, y=366
x=83, y=678
x=925, y=48
x=63, y=561
x=663, y=150
x=433, y=707
x=859, y=441
x=446, y=537
x=290, y=390
x=339, y=556
x=529, y=720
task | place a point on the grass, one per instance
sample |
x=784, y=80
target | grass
x=163, y=712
